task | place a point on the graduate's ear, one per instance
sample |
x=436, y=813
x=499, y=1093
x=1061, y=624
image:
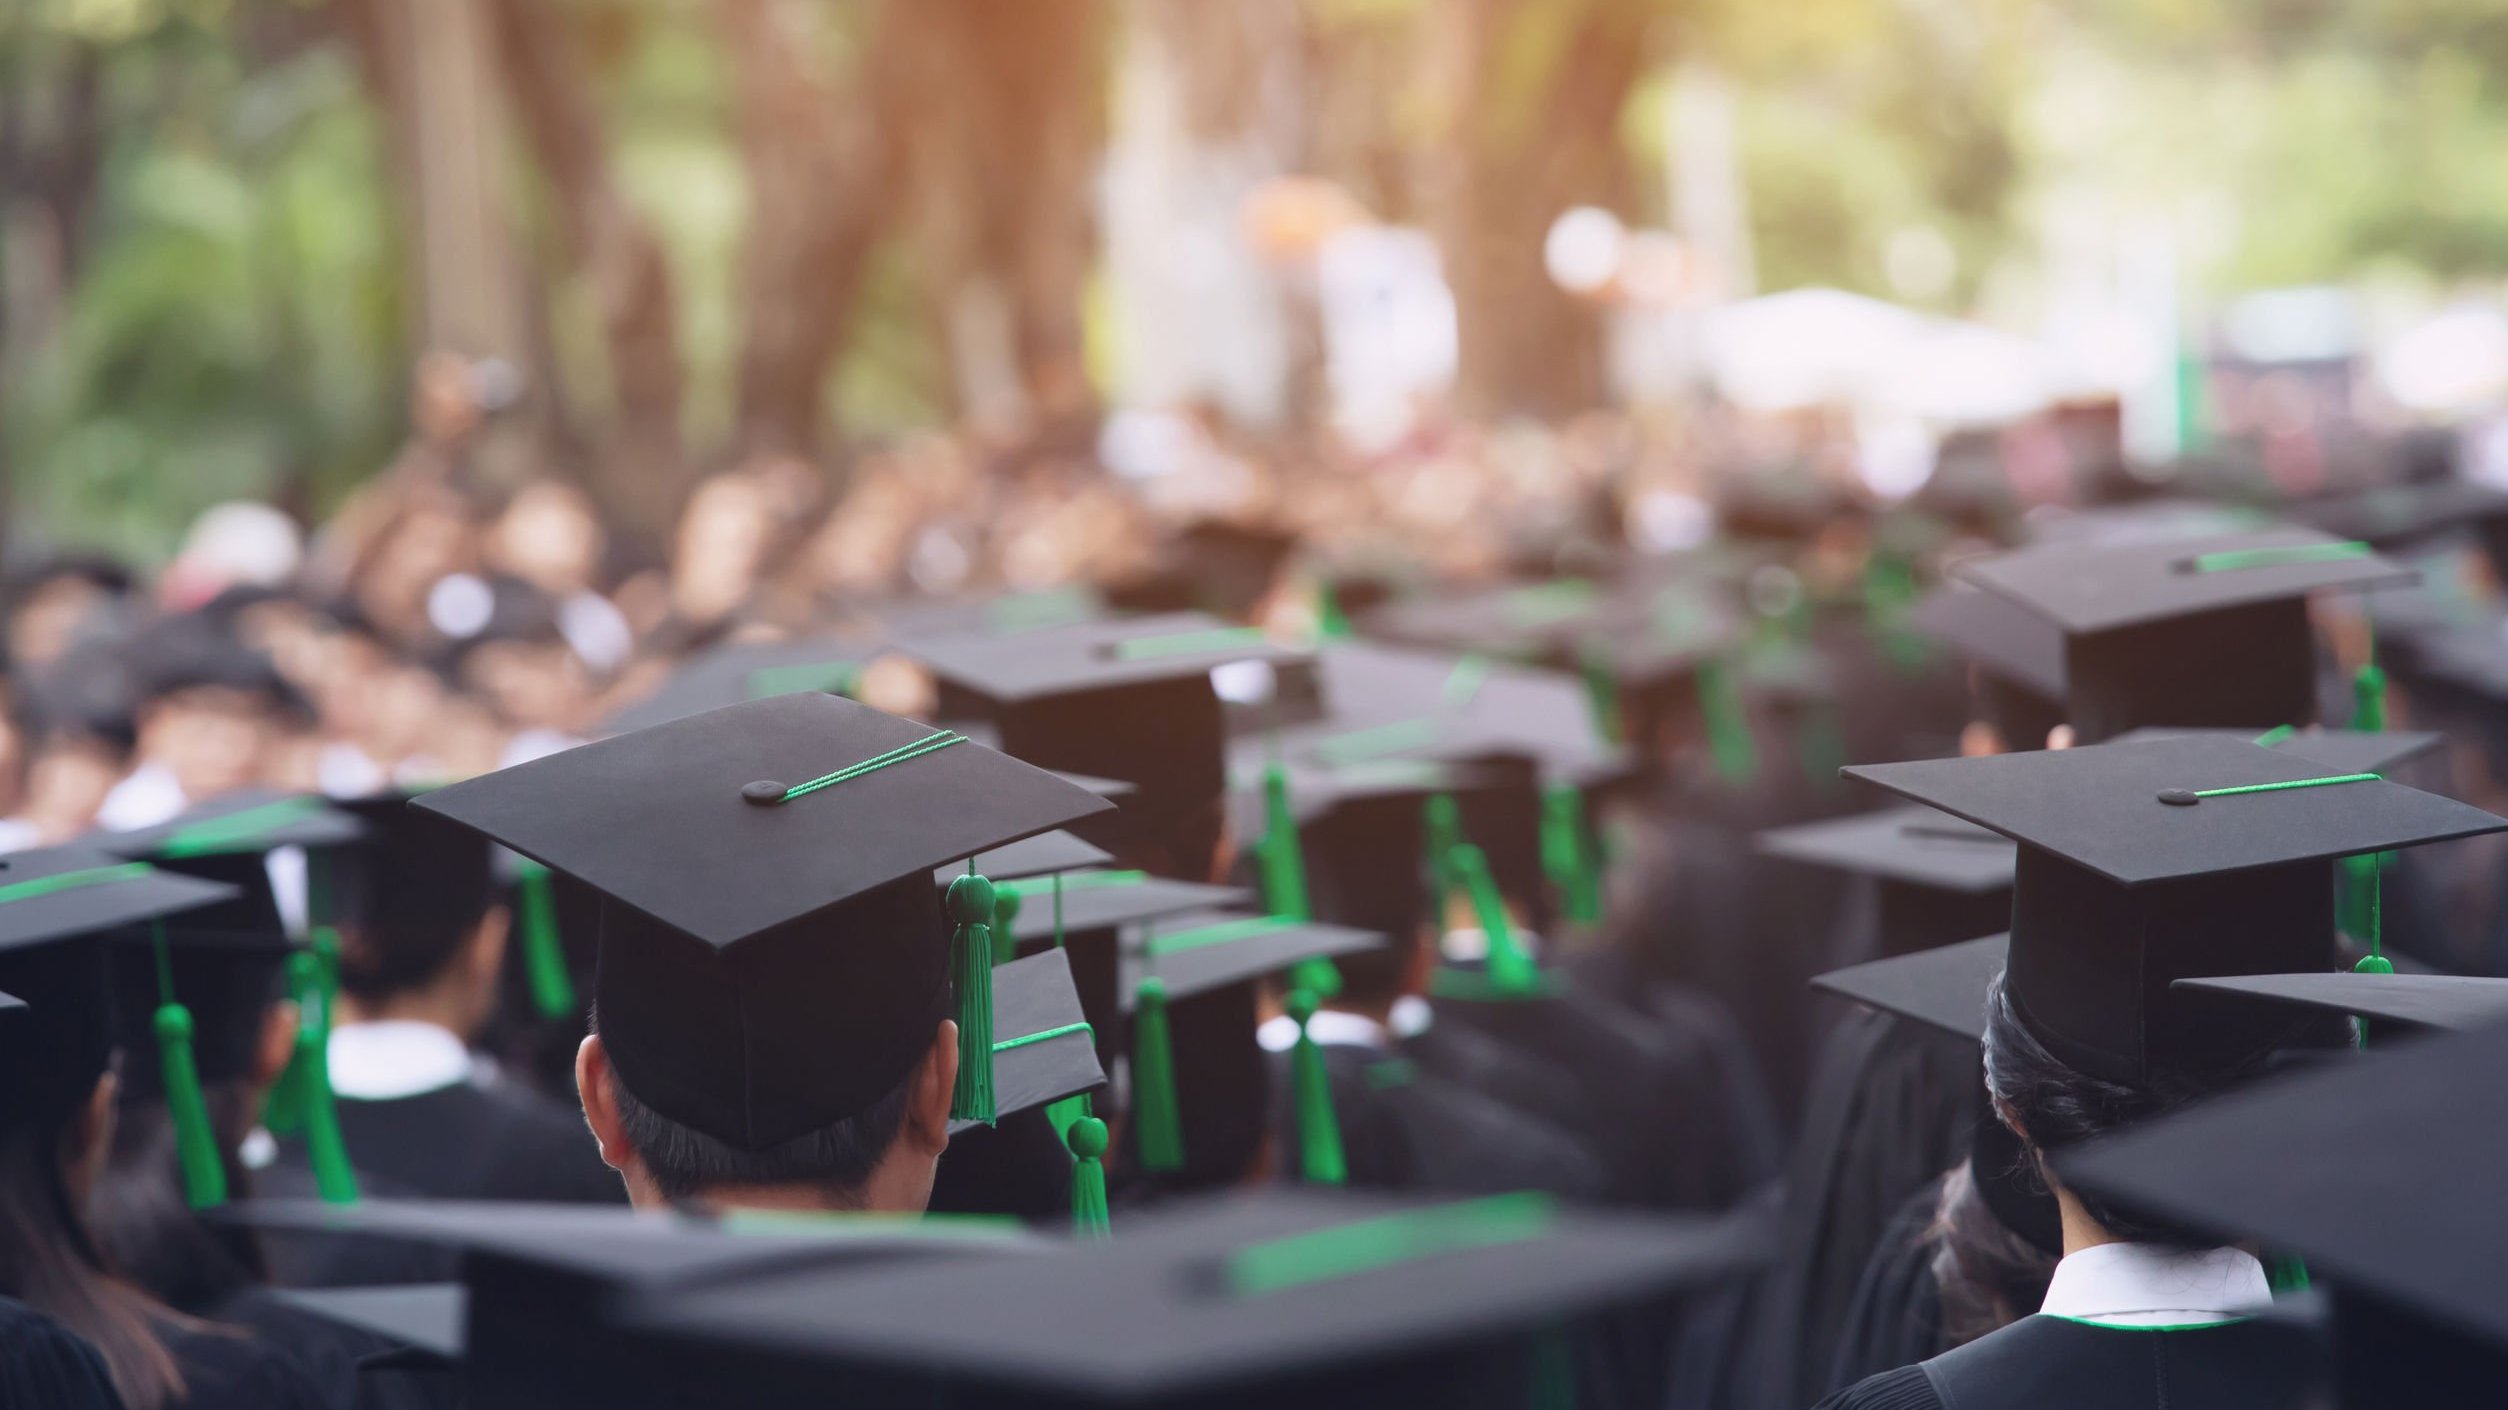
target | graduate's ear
x=597, y=1083
x=927, y=1104
x=87, y=1144
x=277, y=1043
x=484, y=953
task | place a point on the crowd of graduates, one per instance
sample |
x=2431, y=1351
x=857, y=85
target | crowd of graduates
x=1556, y=918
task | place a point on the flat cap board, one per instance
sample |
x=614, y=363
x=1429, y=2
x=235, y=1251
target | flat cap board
x=2100, y=808
x=1523, y=621
x=1913, y=844
x=1316, y=789
x=737, y=671
x=1101, y=900
x=1387, y=703
x=1034, y=997
x=53, y=893
x=2086, y=588
x=1095, y=655
x=1113, y=790
x=661, y=820
x=2339, y=751
x=2002, y=637
x=2453, y=1001
x=2381, y=1170
x=1227, y=1294
x=1041, y=855
x=620, y=1247
x=2400, y=513
x=251, y=820
x=10, y=1006
x=425, y=1317
x=1193, y=954
x=1944, y=987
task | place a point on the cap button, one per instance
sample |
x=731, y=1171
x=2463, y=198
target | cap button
x=763, y=792
x=2179, y=797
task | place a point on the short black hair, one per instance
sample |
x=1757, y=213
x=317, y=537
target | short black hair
x=837, y=1159
x=2057, y=1106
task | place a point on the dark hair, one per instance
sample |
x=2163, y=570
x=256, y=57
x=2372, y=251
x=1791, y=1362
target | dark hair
x=1988, y=1276
x=837, y=1159
x=146, y=1228
x=49, y=1262
x=2055, y=1106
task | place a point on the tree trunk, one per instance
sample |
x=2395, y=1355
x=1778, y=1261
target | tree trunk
x=821, y=170
x=1528, y=95
x=639, y=466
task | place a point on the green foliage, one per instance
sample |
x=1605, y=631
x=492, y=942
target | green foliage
x=234, y=327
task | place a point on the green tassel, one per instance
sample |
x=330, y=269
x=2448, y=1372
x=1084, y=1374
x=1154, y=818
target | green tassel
x=1727, y=724
x=334, y=1178
x=1319, y=1132
x=1442, y=818
x=1061, y=1114
x=1157, y=1124
x=2368, y=694
x=1822, y=747
x=1087, y=1142
x=544, y=946
x=1566, y=856
x=1331, y=622
x=1005, y=934
x=1510, y=968
x=971, y=970
x=283, y=1114
x=195, y=1143
x=2286, y=1273
x=1552, y=1373
x=1283, y=867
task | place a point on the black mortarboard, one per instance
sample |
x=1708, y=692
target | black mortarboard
x=2168, y=859
x=2398, y=516
x=1097, y=907
x=774, y=954
x=1945, y=987
x=1129, y=699
x=1041, y=855
x=2337, y=751
x=1284, y=1296
x=2416, y=1000
x=1043, y=1047
x=2018, y=656
x=2209, y=630
x=1219, y=566
x=422, y=1317
x=229, y=839
x=2381, y=1171
x=1385, y=703
x=59, y=908
x=413, y=892
x=736, y=671
x=1937, y=878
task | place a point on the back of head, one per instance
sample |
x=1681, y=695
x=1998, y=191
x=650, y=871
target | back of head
x=416, y=896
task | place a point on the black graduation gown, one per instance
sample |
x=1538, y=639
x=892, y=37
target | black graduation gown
x=482, y=1139
x=235, y=1370
x=41, y=1364
x=332, y=1355
x=2049, y=1363
x=1018, y=1168
x=1892, y=1106
x=1407, y=1130
x=1896, y=1317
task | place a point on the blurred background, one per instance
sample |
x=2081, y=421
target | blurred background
x=379, y=333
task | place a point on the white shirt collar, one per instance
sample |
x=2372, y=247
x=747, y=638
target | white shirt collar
x=2147, y=1285
x=1329, y=1027
x=395, y=1058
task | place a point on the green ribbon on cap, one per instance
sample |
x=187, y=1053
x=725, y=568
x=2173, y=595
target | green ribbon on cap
x=1282, y=864
x=75, y=880
x=1387, y=1241
x=1042, y=1035
x=237, y=831
x=1157, y=1121
x=543, y=944
x=1075, y=881
x=1220, y=934
x=2180, y=795
x=1320, y=1159
x=931, y=743
x=195, y=1140
x=2287, y=555
x=1143, y=648
x=970, y=905
x=1086, y=1140
x=335, y=1179
x=1332, y=622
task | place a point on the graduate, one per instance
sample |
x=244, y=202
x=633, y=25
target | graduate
x=787, y=1013
x=422, y=944
x=59, y=911
x=2140, y=864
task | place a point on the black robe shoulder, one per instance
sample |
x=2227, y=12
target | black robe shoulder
x=41, y=1363
x=2049, y=1363
x=483, y=1139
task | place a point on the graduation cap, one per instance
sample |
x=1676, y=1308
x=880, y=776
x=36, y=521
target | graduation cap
x=732, y=672
x=427, y=1318
x=1280, y=1297
x=412, y=893
x=1201, y=1085
x=1044, y=1047
x=774, y=952
x=2450, y=1001
x=1086, y=914
x=2398, y=516
x=2380, y=1170
x=2336, y=751
x=2018, y=656
x=2205, y=630
x=230, y=839
x=1221, y=566
x=2169, y=859
x=1042, y=855
x=1129, y=699
x=1938, y=878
